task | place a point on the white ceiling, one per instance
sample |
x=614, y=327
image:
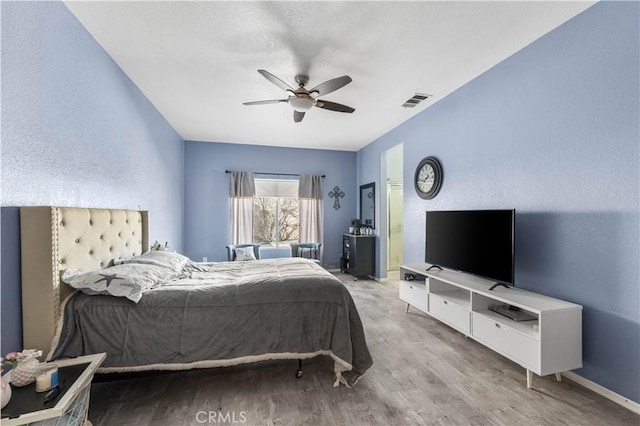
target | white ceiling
x=197, y=62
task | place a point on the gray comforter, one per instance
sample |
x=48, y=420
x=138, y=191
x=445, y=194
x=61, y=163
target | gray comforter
x=220, y=314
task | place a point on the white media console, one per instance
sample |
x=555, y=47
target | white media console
x=548, y=344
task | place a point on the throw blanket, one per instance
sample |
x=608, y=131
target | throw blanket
x=221, y=314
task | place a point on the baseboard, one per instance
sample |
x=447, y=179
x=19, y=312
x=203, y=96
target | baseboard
x=371, y=278
x=601, y=390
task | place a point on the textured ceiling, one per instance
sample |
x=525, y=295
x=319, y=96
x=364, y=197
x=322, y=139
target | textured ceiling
x=197, y=62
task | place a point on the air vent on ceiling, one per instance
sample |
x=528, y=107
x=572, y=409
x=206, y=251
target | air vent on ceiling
x=415, y=100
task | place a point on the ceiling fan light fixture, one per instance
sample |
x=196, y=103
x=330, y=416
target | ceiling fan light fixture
x=301, y=104
x=302, y=100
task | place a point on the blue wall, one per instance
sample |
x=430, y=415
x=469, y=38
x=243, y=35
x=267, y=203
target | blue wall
x=553, y=132
x=76, y=132
x=207, y=191
x=10, y=291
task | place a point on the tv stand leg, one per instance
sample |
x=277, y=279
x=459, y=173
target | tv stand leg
x=407, y=310
x=558, y=377
x=498, y=284
x=529, y=379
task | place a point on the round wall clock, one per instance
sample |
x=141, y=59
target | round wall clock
x=428, y=178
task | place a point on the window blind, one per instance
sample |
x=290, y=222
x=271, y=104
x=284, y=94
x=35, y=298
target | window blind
x=276, y=188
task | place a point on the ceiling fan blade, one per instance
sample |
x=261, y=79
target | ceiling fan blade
x=331, y=85
x=271, y=101
x=298, y=116
x=275, y=80
x=332, y=106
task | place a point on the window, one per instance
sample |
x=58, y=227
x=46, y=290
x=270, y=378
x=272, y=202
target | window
x=275, y=212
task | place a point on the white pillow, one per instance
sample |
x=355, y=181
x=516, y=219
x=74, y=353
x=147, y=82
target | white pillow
x=167, y=259
x=245, y=253
x=128, y=280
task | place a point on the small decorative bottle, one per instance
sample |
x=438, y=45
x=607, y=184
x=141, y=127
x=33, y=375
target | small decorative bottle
x=5, y=391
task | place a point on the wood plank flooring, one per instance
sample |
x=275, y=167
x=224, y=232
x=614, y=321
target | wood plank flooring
x=424, y=373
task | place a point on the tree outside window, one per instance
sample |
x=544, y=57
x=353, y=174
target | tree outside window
x=275, y=213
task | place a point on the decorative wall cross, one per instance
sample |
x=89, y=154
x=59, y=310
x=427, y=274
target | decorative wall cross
x=336, y=194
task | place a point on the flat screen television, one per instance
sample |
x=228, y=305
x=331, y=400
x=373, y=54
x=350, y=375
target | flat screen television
x=478, y=242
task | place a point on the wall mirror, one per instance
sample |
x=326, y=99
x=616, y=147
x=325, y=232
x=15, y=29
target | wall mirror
x=368, y=204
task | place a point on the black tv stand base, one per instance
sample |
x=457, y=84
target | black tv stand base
x=433, y=266
x=498, y=284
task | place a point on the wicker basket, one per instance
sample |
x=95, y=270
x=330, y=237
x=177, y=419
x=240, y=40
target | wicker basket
x=76, y=415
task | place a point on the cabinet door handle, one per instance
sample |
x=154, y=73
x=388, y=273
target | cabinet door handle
x=445, y=302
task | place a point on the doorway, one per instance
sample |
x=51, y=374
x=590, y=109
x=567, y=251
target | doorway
x=395, y=211
x=394, y=258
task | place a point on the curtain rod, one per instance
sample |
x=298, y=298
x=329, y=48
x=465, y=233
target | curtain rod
x=274, y=174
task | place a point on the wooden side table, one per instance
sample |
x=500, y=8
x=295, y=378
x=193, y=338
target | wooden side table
x=72, y=405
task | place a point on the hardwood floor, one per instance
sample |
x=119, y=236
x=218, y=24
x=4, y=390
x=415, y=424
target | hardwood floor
x=423, y=373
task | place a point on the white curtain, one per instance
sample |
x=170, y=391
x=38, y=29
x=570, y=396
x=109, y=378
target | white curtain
x=311, y=210
x=241, y=196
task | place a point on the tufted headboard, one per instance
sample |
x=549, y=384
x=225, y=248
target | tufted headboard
x=57, y=238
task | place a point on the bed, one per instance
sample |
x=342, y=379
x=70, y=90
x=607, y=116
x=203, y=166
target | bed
x=210, y=315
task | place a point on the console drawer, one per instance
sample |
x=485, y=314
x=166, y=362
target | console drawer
x=450, y=313
x=514, y=345
x=414, y=293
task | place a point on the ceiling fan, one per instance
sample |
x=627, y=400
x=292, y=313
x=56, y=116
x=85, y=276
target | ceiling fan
x=302, y=99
